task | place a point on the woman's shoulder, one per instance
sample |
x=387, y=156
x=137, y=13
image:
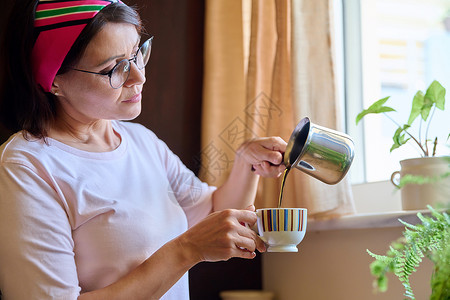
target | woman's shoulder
x=135, y=132
x=132, y=129
x=19, y=146
x=142, y=138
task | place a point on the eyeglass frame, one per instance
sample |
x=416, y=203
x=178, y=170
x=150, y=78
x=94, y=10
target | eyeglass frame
x=130, y=60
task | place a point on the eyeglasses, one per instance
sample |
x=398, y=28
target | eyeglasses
x=120, y=72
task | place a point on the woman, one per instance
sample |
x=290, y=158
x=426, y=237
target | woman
x=92, y=207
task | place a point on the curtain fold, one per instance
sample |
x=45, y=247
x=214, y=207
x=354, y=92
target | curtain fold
x=314, y=90
x=290, y=75
x=223, y=117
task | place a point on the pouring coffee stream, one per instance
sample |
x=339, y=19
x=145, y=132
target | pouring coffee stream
x=283, y=181
x=322, y=153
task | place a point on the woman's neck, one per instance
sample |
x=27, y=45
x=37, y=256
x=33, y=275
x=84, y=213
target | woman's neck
x=98, y=136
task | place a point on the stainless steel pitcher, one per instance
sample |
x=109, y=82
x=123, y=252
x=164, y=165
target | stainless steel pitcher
x=323, y=153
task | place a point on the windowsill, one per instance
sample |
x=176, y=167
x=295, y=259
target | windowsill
x=366, y=220
x=378, y=205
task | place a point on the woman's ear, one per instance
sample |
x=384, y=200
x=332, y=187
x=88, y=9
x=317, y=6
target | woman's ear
x=55, y=90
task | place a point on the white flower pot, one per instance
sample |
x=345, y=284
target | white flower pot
x=418, y=196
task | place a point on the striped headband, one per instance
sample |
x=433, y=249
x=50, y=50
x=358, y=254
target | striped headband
x=58, y=24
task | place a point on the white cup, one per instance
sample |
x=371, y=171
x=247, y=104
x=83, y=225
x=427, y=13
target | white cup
x=282, y=229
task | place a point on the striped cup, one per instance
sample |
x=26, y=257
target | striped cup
x=282, y=229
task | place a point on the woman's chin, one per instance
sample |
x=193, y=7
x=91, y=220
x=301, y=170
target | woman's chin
x=132, y=113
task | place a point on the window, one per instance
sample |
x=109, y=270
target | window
x=391, y=48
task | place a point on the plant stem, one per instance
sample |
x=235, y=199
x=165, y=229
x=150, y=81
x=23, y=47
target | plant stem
x=420, y=132
x=426, y=142
x=435, y=146
x=428, y=127
x=415, y=140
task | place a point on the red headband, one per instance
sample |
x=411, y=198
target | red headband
x=59, y=23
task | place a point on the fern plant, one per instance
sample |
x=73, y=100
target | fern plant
x=430, y=239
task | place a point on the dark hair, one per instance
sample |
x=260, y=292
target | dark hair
x=23, y=104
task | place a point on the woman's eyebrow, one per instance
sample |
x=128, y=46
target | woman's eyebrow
x=117, y=56
x=110, y=59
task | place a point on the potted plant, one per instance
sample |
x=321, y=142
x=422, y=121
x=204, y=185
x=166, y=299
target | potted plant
x=424, y=180
x=430, y=238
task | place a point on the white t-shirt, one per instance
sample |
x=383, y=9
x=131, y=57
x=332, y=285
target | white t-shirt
x=73, y=221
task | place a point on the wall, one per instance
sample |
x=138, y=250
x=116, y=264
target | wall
x=4, y=12
x=334, y=265
x=173, y=92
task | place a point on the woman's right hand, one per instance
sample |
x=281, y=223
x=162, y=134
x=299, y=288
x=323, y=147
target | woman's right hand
x=221, y=236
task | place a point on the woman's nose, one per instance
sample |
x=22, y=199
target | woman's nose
x=136, y=76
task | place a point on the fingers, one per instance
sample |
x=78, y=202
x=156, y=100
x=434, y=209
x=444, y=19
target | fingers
x=267, y=170
x=244, y=216
x=251, y=241
x=260, y=153
x=247, y=246
x=274, y=143
x=250, y=208
x=265, y=155
x=269, y=149
x=222, y=236
x=248, y=238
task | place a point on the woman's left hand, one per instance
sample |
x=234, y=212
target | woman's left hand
x=264, y=156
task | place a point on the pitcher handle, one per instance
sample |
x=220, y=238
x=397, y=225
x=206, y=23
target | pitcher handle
x=394, y=180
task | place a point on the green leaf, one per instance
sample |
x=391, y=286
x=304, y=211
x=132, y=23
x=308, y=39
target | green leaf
x=397, y=246
x=375, y=108
x=426, y=108
x=377, y=268
x=436, y=94
x=416, y=106
x=430, y=239
x=399, y=138
x=382, y=283
x=418, y=179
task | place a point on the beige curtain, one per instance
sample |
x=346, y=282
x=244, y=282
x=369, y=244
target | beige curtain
x=269, y=63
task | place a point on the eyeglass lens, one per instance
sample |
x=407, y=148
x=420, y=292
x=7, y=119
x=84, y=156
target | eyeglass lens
x=122, y=70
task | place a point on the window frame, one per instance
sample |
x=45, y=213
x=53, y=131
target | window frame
x=349, y=68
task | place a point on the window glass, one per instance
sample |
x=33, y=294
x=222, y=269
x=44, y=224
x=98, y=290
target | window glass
x=405, y=45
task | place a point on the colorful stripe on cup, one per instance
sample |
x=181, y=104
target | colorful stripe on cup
x=282, y=220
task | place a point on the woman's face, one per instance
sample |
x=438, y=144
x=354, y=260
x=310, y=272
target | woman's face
x=86, y=97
